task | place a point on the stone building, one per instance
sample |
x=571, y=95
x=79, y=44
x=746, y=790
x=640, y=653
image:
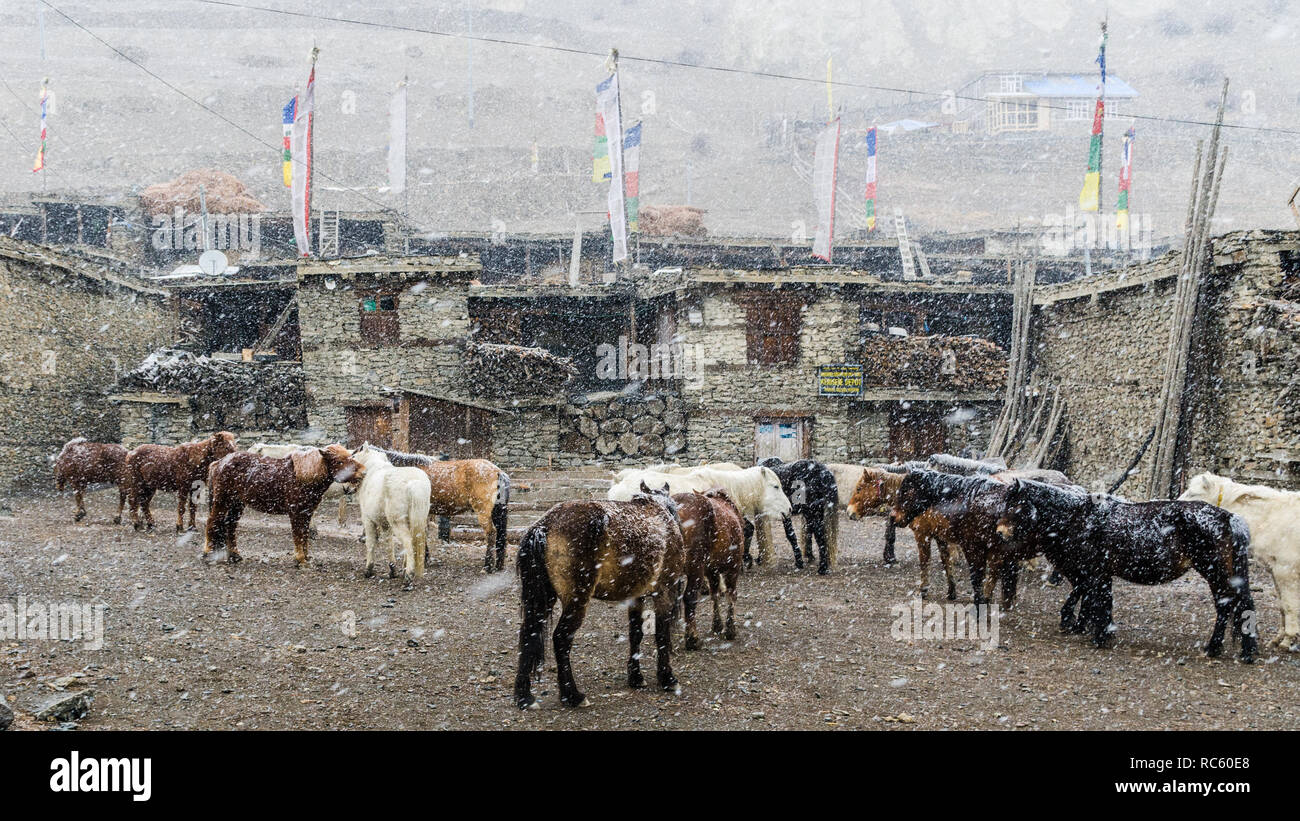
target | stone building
x=1104, y=339
x=67, y=330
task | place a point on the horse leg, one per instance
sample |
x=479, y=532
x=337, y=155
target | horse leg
x=805, y=535
x=419, y=543
x=689, y=602
x=182, y=499
x=716, y=592
x=1224, y=601
x=891, y=530
x=731, y=579
x=945, y=556
x=571, y=616
x=923, y=560
x=195, y=489
x=78, y=494
x=763, y=535
x=1010, y=576
x=832, y=519
x=992, y=574
x=1243, y=625
x=1103, y=605
x=371, y=537
x=664, y=607
x=401, y=534
x=1069, y=622
x=749, y=533
x=788, y=524
x=976, y=561
x=489, y=534
x=1288, y=600
x=229, y=528
x=823, y=543
x=635, y=633
x=121, y=502
x=299, y=524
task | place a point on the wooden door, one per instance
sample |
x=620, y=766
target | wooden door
x=916, y=433
x=370, y=424
x=782, y=438
x=438, y=427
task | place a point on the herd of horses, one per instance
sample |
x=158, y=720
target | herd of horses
x=669, y=535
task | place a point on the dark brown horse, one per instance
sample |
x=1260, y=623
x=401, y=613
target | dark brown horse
x=877, y=488
x=292, y=486
x=614, y=551
x=1092, y=539
x=81, y=464
x=180, y=469
x=713, y=533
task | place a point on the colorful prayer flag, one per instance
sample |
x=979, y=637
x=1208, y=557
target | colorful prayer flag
x=1125, y=182
x=40, y=152
x=607, y=104
x=290, y=109
x=302, y=150
x=632, y=163
x=1090, y=195
x=825, y=167
x=600, y=152
x=871, y=180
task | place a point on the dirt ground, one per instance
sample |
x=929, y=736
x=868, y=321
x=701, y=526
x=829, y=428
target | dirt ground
x=264, y=645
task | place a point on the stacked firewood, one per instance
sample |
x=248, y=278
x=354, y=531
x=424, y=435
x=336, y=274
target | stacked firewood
x=672, y=221
x=491, y=369
x=223, y=394
x=956, y=363
x=222, y=194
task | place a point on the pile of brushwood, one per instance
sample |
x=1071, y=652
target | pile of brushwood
x=918, y=362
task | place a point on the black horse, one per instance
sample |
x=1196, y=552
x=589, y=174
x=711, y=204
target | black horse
x=1140, y=542
x=813, y=494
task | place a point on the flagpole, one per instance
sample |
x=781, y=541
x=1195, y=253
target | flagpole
x=406, y=145
x=622, y=168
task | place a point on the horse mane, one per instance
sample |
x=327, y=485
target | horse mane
x=400, y=459
x=1057, y=498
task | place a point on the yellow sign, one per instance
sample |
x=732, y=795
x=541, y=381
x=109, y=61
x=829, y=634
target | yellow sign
x=839, y=380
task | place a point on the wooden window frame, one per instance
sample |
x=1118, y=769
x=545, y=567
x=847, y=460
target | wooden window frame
x=381, y=327
x=767, y=345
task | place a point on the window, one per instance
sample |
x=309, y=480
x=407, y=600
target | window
x=772, y=327
x=1011, y=84
x=379, y=325
x=1012, y=115
x=1078, y=110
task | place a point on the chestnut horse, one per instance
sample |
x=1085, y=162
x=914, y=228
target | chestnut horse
x=713, y=533
x=81, y=463
x=463, y=485
x=613, y=551
x=292, y=485
x=176, y=468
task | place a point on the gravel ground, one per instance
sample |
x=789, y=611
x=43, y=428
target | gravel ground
x=264, y=645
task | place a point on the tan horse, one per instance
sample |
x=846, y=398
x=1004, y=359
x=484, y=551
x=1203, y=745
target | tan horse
x=877, y=489
x=713, y=533
x=81, y=463
x=176, y=468
x=465, y=485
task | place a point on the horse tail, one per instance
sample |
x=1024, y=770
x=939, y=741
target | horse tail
x=501, y=510
x=536, y=593
x=418, y=522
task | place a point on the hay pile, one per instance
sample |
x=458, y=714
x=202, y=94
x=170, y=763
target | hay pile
x=916, y=362
x=491, y=369
x=225, y=194
x=671, y=221
x=225, y=395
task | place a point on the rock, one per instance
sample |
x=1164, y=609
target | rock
x=655, y=407
x=645, y=424
x=588, y=427
x=674, y=443
x=71, y=707
x=615, y=426
x=633, y=410
x=598, y=412
x=6, y=714
x=629, y=443
x=652, y=444
x=606, y=444
x=674, y=420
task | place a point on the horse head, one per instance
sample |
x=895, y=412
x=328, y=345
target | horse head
x=915, y=496
x=342, y=466
x=869, y=493
x=1019, y=510
x=1205, y=487
x=775, y=502
x=662, y=497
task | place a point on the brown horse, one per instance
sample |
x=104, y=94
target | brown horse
x=613, y=551
x=176, y=468
x=713, y=533
x=463, y=485
x=81, y=463
x=877, y=489
x=292, y=486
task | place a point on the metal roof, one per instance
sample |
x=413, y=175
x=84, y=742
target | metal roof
x=1077, y=85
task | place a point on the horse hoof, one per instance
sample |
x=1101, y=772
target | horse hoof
x=235, y=558
x=79, y=516
x=526, y=703
x=823, y=570
x=392, y=571
x=576, y=700
x=636, y=682
x=1214, y=650
x=117, y=520
x=693, y=643
x=370, y=571
x=669, y=683
x=730, y=634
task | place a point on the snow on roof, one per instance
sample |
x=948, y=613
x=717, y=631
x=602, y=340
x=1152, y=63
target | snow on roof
x=1077, y=85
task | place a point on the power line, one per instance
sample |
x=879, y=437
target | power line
x=276, y=148
x=770, y=75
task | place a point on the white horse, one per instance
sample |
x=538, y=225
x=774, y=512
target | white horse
x=1274, y=520
x=395, y=505
x=756, y=491
x=334, y=491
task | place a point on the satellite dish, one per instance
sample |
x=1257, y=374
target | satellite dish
x=213, y=263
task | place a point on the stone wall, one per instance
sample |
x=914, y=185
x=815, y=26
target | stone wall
x=647, y=427
x=1107, y=349
x=67, y=332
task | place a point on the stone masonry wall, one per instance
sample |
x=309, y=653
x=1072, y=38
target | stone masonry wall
x=66, y=334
